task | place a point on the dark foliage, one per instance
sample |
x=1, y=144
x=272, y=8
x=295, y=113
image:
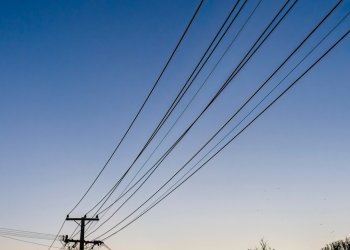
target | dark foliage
x=338, y=245
x=263, y=246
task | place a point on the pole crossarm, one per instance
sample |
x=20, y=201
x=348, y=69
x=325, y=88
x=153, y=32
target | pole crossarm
x=82, y=242
x=83, y=218
x=94, y=242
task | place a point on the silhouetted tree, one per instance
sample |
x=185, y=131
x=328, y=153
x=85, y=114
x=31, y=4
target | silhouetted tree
x=338, y=245
x=263, y=246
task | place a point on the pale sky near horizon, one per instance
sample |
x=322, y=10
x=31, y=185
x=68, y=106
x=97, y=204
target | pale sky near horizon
x=74, y=73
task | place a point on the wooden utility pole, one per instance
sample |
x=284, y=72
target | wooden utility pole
x=82, y=242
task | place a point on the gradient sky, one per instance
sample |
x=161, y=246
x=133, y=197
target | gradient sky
x=73, y=74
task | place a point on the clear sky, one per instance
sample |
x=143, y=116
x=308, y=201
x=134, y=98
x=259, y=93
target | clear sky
x=74, y=73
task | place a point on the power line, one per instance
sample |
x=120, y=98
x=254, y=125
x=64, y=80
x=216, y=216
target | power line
x=184, y=89
x=141, y=108
x=237, y=69
x=248, y=55
x=194, y=96
x=177, y=99
x=143, y=104
x=27, y=234
x=254, y=48
x=240, y=132
x=126, y=190
x=58, y=233
x=167, y=153
x=264, y=85
x=257, y=105
x=26, y=241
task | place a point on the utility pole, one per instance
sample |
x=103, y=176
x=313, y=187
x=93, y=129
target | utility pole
x=82, y=242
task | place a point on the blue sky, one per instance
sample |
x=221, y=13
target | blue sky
x=73, y=74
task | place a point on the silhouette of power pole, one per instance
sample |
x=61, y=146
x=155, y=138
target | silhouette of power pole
x=82, y=242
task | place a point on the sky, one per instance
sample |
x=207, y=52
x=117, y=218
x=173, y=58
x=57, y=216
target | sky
x=74, y=74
